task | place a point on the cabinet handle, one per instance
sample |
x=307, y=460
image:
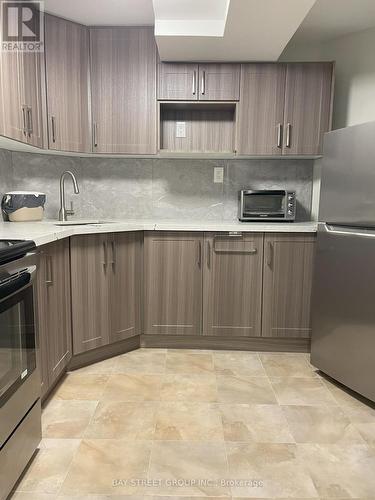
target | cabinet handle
x=95, y=134
x=288, y=134
x=113, y=248
x=104, y=261
x=203, y=82
x=199, y=261
x=49, y=269
x=29, y=121
x=53, y=127
x=208, y=254
x=279, y=135
x=194, y=87
x=270, y=254
x=24, y=119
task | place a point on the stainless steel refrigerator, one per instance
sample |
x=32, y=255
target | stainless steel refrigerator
x=343, y=311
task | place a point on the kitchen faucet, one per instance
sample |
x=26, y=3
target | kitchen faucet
x=63, y=212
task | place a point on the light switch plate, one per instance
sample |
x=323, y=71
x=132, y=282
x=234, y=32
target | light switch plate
x=218, y=175
x=180, y=129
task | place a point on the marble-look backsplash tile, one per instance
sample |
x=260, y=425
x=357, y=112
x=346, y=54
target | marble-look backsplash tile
x=146, y=188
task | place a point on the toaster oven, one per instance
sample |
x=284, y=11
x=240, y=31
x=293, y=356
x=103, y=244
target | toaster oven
x=271, y=205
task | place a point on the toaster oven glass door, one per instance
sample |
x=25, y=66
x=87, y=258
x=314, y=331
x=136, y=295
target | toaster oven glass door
x=268, y=204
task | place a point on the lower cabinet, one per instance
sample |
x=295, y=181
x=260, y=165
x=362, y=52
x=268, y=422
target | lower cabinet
x=288, y=270
x=173, y=283
x=54, y=318
x=106, y=288
x=232, y=292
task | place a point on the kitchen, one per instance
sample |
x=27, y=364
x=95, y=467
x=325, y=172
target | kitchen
x=182, y=229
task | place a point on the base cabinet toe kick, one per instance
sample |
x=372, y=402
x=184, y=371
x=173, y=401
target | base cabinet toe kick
x=241, y=290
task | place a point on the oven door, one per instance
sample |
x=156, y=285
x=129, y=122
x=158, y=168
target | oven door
x=17, y=332
x=264, y=204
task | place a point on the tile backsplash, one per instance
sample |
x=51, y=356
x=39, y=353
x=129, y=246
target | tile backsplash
x=154, y=188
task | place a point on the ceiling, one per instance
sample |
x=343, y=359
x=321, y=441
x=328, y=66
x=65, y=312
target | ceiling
x=225, y=30
x=103, y=12
x=329, y=19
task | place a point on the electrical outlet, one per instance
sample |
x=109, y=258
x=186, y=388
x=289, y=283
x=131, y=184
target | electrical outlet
x=218, y=175
x=180, y=129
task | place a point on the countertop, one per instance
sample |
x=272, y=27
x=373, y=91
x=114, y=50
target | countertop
x=46, y=231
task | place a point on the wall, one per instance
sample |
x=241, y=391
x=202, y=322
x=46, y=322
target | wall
x=154, y=188
x=354, y=100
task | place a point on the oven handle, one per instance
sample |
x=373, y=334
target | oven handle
x=18, y=284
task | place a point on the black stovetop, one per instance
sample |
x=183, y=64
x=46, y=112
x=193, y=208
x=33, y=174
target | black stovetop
x=11, y=250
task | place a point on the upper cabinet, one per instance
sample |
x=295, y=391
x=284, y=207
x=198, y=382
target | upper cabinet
x=307, y=114
x=204, y=82
x=67, y=72
x=123, y=85
x=21, y=96
x=284, y=109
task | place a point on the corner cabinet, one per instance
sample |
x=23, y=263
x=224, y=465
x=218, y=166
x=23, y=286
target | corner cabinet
x=232, y=296
x=288, y=271
x=54, y=313
x=106, y=286
x=67, y=73
x=173, y=283
x=284, y=108
x=123, y=89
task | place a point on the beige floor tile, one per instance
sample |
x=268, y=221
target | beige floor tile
x=189, y=363
x=275, y=466
x=107, y=466
x=102, y=497
x=83, y=386
x=301, y=391
x=342, y=395
x=141, y=361
x=340, y=471
x=255, y=423
x=287, y=365
x=363, y=418
x=183, y=387
x=133, y=387
x=67, y=419
x=238, y=363
x=49, y=467
x=183, y=421
x=106, y=366
x=123, y=420
x=186, y=462
x=321, y=424
x=243, y=389
x=31, y=496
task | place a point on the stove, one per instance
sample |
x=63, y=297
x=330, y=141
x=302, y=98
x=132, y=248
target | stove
x=11, y=250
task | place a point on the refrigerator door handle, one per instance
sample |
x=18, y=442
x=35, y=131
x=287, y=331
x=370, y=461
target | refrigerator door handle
x=350, y=232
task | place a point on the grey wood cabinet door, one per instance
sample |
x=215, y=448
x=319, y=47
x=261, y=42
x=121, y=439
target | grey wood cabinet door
x=261, y=109
x=13, y=106
x=173, y=283
x=178, y=81
x=123, y=87
x=288, y=270
x=125, y=262
x=307, y=115
x=67, y=72
x=219, y=82
x=32, y=74
x=89, y=281
x=232, y=292
x=54, y=312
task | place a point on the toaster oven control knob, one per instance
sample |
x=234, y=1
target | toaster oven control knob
x=290, y=205
x=290, y=212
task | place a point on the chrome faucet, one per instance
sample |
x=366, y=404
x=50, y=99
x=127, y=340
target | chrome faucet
x=63, y=212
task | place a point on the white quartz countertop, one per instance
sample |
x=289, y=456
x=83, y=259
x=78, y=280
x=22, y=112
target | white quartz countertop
x=46, y=231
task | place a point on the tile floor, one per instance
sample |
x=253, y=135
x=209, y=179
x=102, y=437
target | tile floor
x=193, y=424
